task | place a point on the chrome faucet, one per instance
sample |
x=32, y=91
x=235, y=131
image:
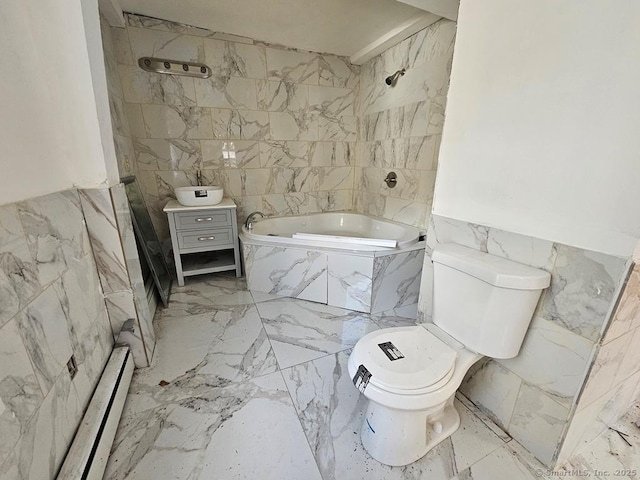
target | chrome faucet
x=248, y=223
x=199, y=178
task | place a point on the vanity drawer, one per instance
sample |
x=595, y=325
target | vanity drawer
x=202, y=219
x=219, y=237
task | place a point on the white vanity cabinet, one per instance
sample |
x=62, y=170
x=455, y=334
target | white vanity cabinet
x=204, y=238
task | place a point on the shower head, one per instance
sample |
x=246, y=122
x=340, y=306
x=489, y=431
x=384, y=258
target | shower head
x=392, y=79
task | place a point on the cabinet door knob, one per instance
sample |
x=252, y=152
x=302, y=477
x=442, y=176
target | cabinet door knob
x=204, y=219
x=203, y=239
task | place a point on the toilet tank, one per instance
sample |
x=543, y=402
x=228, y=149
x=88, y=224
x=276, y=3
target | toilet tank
x=483, y=301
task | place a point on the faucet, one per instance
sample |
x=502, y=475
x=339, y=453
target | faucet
x=199, y=177
x=248, y=223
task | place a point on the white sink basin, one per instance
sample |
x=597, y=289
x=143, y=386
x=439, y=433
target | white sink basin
x=199, y=196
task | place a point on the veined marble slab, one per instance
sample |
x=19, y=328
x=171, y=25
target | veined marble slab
x=554, y=359
x=235, y=59
x=494, y=388
x=207, y=296
x=56, y=235
x=20, y=393
x=103, y=231
x=538, y=423
x=300, y=331
x=396, y=280
x=132, y=261
x=286, y=271
x=244, y=430
x=349, y=281
x=582, y=289
x=49, y=432
x=19, y=282
x=43, y=328
x=209, y=350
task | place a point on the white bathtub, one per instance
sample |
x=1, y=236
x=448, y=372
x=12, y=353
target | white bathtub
x=281, y=230
x=358, y=277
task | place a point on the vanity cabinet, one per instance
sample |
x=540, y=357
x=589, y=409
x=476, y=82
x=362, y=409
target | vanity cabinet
x=204, y=238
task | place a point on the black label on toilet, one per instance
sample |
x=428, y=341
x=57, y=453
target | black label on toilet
x=391, y=351
x=361, y=378
x=201, y=193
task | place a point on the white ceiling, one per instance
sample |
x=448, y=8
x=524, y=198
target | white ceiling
x=342, y=27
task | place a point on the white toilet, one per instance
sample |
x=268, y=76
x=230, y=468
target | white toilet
x=482, y=306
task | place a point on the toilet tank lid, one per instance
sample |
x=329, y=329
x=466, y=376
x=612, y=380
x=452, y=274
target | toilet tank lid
x=496, y=271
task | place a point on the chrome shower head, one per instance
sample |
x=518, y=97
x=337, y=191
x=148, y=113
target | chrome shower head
x=392, y=79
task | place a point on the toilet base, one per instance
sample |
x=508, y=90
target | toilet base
x=400, y=437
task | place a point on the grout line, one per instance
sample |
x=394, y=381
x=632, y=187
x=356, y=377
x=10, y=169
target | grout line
x=483, y=417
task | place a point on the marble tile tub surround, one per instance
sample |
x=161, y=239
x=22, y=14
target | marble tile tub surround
x=275, y=126
x=401, y=126
x=255, y=386
x=534, y=395
x=371, y=282
x=51, y=307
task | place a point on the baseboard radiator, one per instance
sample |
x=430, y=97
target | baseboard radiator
x=89, y=452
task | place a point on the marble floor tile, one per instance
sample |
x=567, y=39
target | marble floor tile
x=214, y=405
x=398, y=317
x=245, y=430
x=331, y=411
x=502, y=464
x=300, y=331
x=610, y=454
x=473, y=440
x=206, y=294
x=201, y=352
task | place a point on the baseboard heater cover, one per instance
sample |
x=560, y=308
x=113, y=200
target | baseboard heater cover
x=89, y=452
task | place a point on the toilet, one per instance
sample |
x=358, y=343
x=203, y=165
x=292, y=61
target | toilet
x=482, y=306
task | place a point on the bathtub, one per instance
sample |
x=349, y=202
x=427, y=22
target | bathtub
x=331, y=264
x=347, y=226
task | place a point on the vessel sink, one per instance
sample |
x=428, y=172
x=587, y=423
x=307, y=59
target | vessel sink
x=199, y=196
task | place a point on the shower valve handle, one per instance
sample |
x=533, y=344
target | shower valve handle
x=391, y=179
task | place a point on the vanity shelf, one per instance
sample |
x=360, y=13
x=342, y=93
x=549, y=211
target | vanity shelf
x=204, y=238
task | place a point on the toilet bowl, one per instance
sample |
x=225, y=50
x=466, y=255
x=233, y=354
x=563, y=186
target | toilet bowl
x=410, y=408
x=482, y=307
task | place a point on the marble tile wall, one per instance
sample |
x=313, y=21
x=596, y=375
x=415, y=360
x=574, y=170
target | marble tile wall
x=110, y=227
x=51, y=307
x=533, y=396
x=401, y=126
x=111, y=236
x=121, y=132
x=275, y=127
x=613, y=384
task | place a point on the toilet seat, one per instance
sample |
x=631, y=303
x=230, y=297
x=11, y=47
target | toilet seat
x=425, y=363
